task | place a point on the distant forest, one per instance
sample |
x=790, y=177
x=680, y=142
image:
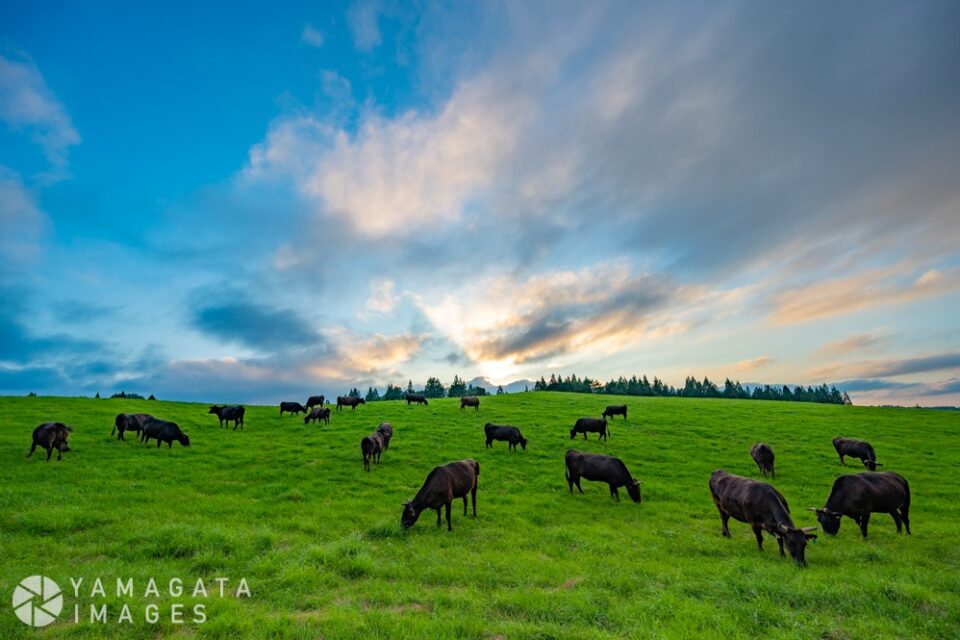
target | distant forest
x=634, y=386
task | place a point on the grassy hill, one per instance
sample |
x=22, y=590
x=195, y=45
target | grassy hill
x=289, y=508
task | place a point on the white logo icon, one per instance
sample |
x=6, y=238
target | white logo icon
x=37, y=601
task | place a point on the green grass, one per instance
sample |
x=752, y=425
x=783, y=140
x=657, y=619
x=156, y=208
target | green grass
x=289, y=508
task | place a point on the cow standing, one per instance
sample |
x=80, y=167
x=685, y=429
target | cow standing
x=313, y=401
x=859, y=494
x=386, y=432
x=163, y=431
x=416, y=398
x=442, y=486
x=762, y=454
x=292, y=407
x=506, y=433
x=318, y=414
x=470, y=401
x=50, y=436
x=600, y=468
x=129, y=422
x=590, y=425
x=763, y=508
x=371, y=447
x=615, y=410
x=228, y=414
x=349, y=401
x=856, y=449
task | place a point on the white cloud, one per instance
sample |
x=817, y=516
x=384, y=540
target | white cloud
x=364, y=20
x=382, y=298
x=27, y=103
x=311, y=36
x=20, y=218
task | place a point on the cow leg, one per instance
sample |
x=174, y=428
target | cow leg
x=569, y=480
x=905, y=514
x=579, y=488
x=584, y=435
x=34, y=448
x=49, y=452
x=897, y=520
x=841, y=460
x=159, y=442
x=780, y=542
x=724, y=523
x=488, y=444
x=473, y=497
x=464, y=504
x=864, y=521
x=449, y=526
x=757, y=531
x=614, y=493
x=438, y=515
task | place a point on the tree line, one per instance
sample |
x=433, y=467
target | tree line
x=633, y=386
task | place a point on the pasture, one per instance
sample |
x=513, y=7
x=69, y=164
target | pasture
x=289, y=508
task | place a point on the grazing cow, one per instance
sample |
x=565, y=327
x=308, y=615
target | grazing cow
x=442, y=486
x=591, y=425
x=163, y=431
x=601, y=468
x=318, y=414
x=859, y=494
x=470, y=401
x=763, y=508
x=129, y=422
x=292, y=407
x=349, y=401
x=313, y=401
x=417, y=398
x=226, y=414
x=152, y=397
x=762, y=454
x=371, y=447
x=507, y=433
x=386, y=432
x=50, y=436
x=615, y=410
x=856, y=449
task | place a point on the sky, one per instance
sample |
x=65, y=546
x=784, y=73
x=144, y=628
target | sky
x=239, y=202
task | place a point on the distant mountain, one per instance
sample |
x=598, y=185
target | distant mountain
x=514, y=387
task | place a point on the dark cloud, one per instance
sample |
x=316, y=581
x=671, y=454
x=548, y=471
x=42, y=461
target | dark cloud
x=255, y=325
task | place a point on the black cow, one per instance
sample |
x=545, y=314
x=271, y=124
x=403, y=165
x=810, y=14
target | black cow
x=856, y=449
x=763, y=508
x=163, y=431
x=417, y=398
x=349, y=401
x=615, y=410
x=762, y=454
x=129, y=422
x=470, y=401
x=600, y=468
x=591, y=425
x=50, y=436
x=226, y=414
x=318, y=414
x=371, y=447
x=859, y=494
x=506, y=433
x=442, y=486
x=313, y=401
x=386, y=432
x=292, y=407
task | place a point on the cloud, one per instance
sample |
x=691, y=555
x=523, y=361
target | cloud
x=604, y=308
x=310, y=36
x=363, y=17
x=21, y=219
x=851, y=344
x=382, y=298
x=753, y=363
x=889, y=368
x=27, y=103
x=254, y=325
x=863, y=290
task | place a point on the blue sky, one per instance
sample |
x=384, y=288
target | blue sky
x=244, y=203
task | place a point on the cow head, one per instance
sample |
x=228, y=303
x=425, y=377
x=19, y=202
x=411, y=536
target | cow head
x=795, y=540
x=829, y=520
x=523, y=443
x=409, y=516
x=214, y=409
x=361, y=401
x=633, y=488
x=573, y=433
x=871, y=464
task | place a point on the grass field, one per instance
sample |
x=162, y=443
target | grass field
x=289, y=508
